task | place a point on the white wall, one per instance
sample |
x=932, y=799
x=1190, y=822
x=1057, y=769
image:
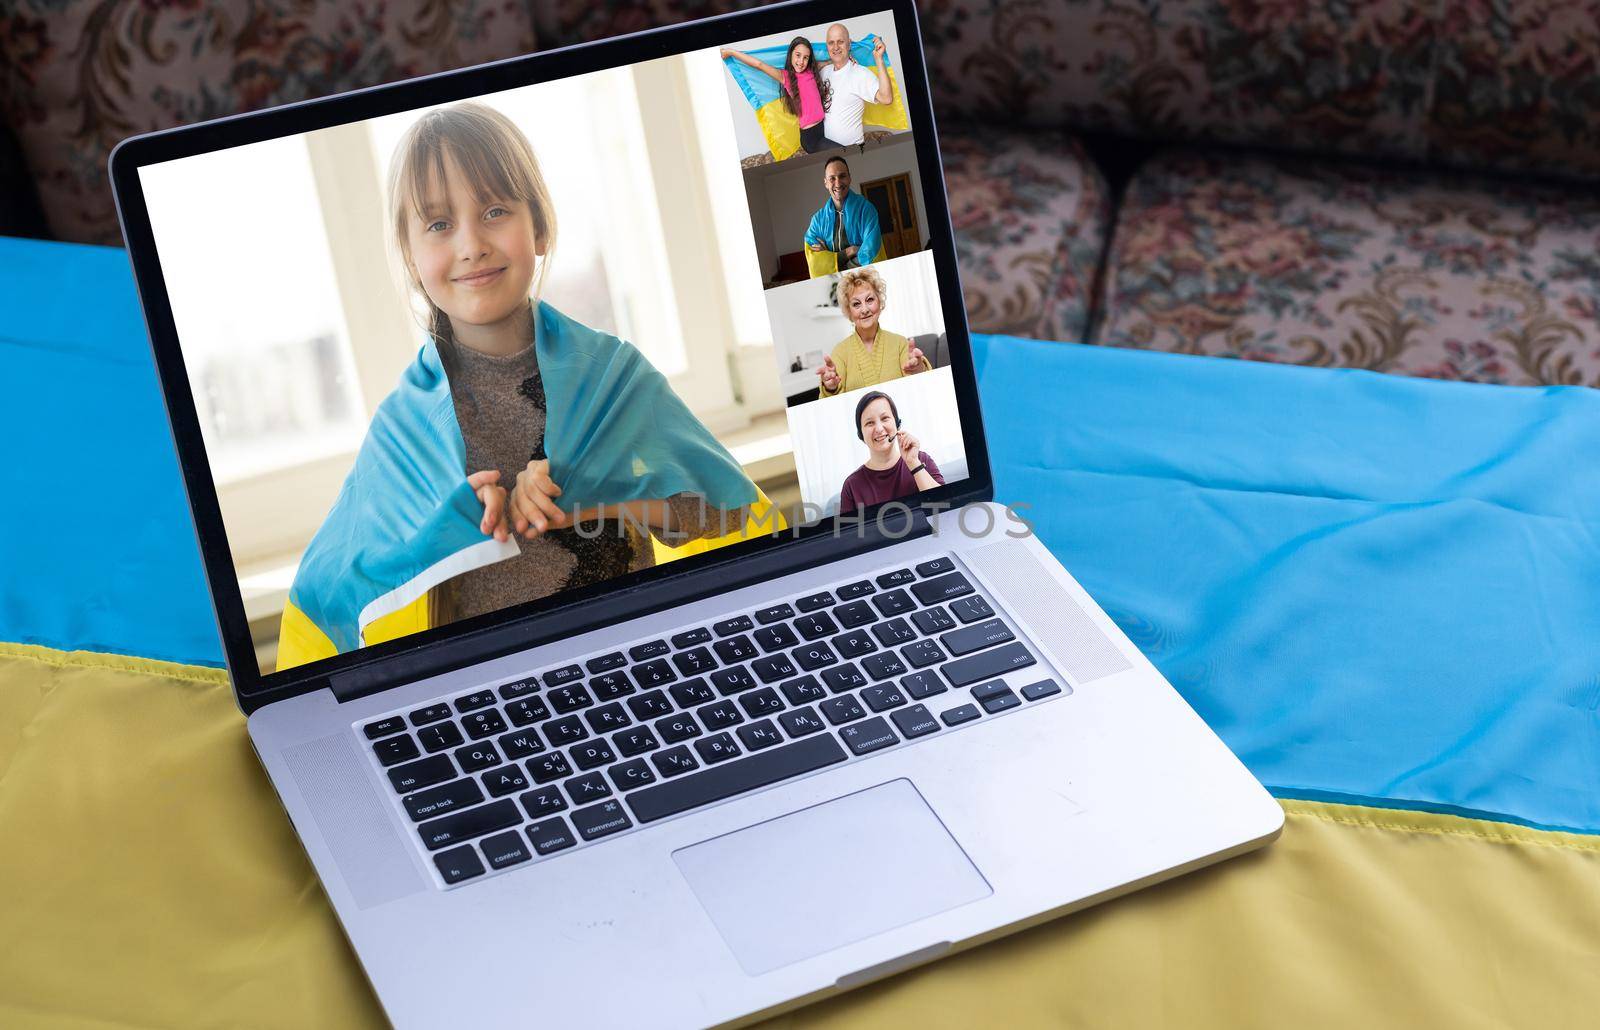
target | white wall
x=826, y=449
x=746, y=128
x=783, y=202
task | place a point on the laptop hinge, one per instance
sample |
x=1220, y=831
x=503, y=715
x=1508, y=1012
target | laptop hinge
x=448, y=655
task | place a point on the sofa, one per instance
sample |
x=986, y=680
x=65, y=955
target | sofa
x=1403, y=187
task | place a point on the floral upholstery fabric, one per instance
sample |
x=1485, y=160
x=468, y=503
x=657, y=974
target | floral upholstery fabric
x=1032, y=216
x=1422, y=275
x=75, y=78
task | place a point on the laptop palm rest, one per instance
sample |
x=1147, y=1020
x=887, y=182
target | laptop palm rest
x=839, y=872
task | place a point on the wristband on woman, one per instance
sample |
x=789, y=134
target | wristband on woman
x=919, y=468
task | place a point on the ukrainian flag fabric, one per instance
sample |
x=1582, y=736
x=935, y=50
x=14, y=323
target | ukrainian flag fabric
x=782, y=129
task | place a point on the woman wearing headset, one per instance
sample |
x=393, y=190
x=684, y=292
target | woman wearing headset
x=895, y=467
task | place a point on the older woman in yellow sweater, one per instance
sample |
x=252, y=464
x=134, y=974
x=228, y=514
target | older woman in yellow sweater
x=870, y=355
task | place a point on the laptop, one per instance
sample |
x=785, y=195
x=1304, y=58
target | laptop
x=586, y=458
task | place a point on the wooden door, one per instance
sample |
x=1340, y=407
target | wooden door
x=897, y=215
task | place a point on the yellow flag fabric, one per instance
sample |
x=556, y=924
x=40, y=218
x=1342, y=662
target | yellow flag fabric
x=150, y=878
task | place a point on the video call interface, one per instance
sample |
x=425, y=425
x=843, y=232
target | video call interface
x=471, y=356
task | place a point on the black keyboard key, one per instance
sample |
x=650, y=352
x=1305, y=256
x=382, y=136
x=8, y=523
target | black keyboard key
x=678, y=727
x=941, y=588
x=691, y=637
x=632, y=775
x=856, y=613
x=458, y=864
x=775, y=638
x=894, y=632
x=775, y=613
x=959, y=715
x=851, y=591
x=569, y=698
x=813, y=602
x=715, y=784
x=922, y=685
x=844, y=677
x=432, y=713
x=549, y=768
x=883, y=666
x=814, y=656
x=635, y=741
x=425, y=804
x=568, y=730
x=971, y=609
x=720, y=715
x=605, y=662
x=691, y=693
x=803, y=690
x=394, y=750
x=883, y=697
x=694, y=661
x=897, y=578
x=773, y=668
x=840, y=710
x=895, y=602
x=759, y=735
x=975, y=638
x=761, y=702
x=592, y=754
x=915, y=721
x=439, y=737
x=650, y=706
x=735, y=650
x=505, y=849
x=932, y=620
x=799, y=722
x=384, y=727
x=815, y=627
x=505, y=779
x=588, y=787
x=674, y=761
x=520, y=744
x=856, y=642
x=518, y=688
x=995, y=696
x=608, y=718
x=416, y=775
x=869, y=736
x=1043, y=688
x=484, y=724
x=984, y=664
x=737, y=624
x=600, y=820
x=922, y=654
x=477, y=756
x=465, y=825
x=562, y=676
x=527, y=711
x=472, y=702
x=654, y=674
x=543, y=801
x=648, y=650
x=550, y=836
x=611, y=685
x=732, y=681
x=716, y=748
x=935, y=567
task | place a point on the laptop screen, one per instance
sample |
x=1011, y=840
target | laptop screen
x=458, y=359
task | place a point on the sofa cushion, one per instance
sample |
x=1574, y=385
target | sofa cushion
x=1427, y=275
x=1032, y=215
x=77, y=78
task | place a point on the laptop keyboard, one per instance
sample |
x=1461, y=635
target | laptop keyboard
x=567, y=756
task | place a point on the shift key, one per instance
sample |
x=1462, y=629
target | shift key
x=986, y=664
x=474, y=822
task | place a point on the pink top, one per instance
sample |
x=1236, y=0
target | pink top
x=810, y=101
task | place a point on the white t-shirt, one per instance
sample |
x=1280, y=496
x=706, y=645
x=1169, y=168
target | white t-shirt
x=853, y=87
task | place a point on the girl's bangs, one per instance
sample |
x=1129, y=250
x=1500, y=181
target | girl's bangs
x=486, y=161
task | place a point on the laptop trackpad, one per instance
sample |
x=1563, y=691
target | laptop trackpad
x=814, y=880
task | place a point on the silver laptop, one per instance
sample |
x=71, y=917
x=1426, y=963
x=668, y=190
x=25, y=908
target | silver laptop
x=586, y=458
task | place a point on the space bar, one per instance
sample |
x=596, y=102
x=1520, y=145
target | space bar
x=724, y=781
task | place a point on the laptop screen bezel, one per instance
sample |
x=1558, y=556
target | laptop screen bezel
x=383, y=665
